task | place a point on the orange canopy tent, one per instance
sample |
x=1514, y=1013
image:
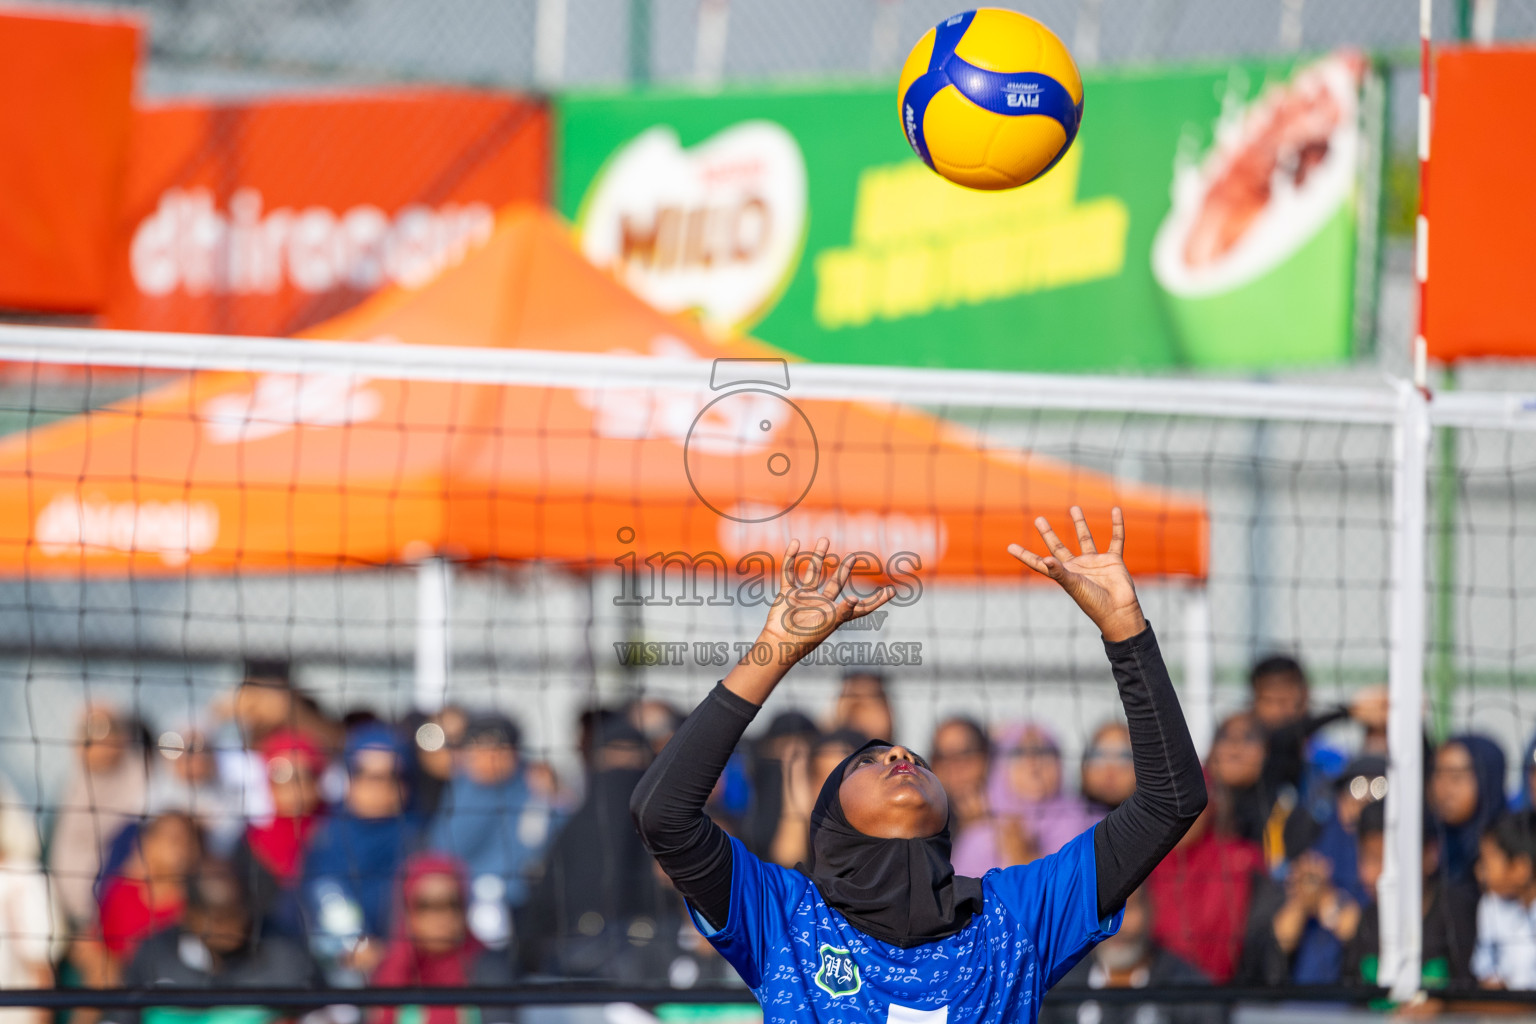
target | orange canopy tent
x=237, y=472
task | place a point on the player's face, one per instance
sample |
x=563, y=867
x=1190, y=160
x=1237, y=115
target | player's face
x=889, y=793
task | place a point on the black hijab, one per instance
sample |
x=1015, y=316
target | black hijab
x=1460, y=842
x=901, y=891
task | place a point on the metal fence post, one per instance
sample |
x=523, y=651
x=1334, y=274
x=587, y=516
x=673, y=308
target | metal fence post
x=711, y=33
x=434, y=579
x=549, y=32
x=1199, y=696
x=639, y=42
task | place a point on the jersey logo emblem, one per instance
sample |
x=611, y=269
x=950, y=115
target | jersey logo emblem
x=839, y=975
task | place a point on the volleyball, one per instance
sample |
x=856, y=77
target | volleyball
x=990, y=99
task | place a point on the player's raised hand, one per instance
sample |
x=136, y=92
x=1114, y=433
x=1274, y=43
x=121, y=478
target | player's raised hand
x=808, y=608
x=811, y=603
x=1098, y=581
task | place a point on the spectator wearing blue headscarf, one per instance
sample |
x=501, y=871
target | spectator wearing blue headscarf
x=1466, y=792
x=494, y=819
x=351, y=872
x=1525, y=798
x=1299, y=928
x=1363, y=782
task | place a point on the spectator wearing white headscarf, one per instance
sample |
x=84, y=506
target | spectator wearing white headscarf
x=32, y=929
x=109, y=790
x=186, y=776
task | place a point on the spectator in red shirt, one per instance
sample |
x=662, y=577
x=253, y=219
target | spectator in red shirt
x=269, y=856
x=1203, y=888
x=149, y=893
x=432, y=945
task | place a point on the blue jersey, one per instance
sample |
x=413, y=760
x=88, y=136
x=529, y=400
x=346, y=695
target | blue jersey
x=805, y=962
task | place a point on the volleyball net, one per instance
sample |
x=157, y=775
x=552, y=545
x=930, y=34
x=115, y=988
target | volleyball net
x=283, y=617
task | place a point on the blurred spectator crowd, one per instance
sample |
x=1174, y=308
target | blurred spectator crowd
x=275, y=845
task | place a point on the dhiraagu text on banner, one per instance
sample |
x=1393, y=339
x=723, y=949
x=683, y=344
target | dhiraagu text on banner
x=1205, y=217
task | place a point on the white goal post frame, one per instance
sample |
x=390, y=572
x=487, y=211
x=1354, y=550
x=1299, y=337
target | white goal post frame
x=1218, y=399
x=1409, y=411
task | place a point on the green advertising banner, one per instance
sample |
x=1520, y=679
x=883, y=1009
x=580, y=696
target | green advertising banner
x=1205, y=217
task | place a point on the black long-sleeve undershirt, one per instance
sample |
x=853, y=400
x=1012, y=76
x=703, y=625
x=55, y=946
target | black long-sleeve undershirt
x=668, y=804
x=1170, y=787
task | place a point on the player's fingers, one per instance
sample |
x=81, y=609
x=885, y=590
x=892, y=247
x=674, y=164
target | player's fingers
x=873, y=601
x=807, y=567
x=1061, y=574
x=1052, y=542
x=1084, y=535
x=1116, y=532
x=817, y=563
x=1029, y=558
x=788, y=570
x=839, y=579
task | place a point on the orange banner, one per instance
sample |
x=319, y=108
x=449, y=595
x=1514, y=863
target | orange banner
x=68, y=83
x=274, y=473
x=268, y=217
x=1480, y=299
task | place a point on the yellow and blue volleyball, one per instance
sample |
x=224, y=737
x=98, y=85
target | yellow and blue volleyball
x=990, y=99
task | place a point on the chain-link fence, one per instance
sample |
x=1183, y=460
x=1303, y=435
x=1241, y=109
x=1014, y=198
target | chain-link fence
x=1303, y=509
x=250, y=48
x=562, y=43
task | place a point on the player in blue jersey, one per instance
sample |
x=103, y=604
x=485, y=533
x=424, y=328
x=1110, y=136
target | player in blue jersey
x=877, y=926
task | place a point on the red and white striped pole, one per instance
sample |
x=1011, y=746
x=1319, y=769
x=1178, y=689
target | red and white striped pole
x=1421, y=228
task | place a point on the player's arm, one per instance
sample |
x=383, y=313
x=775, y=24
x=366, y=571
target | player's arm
x=668, y=804
x=1170, y=787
